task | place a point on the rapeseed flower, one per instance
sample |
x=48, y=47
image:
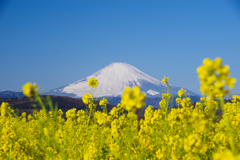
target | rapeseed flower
x=213, y=73
x=163, y=103
x=30, y=89
x=166, y=96
x=159, y=154
x=181, y=92
x=93, y=82
x=227, y=155
x=132, y=99
x=5, y=109
x=165, y=79
x=193, y=143
x=103, y=102
x=86, y=98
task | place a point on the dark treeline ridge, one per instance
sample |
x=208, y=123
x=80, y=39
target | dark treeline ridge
x=65, y=103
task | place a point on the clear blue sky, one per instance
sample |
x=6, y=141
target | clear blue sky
x=57, y=42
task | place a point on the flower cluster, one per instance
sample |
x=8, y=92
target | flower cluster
x=236, y=99
x=86, y=98
x=93, y=82
x=213, y=73
x=165, y=80
x=5, y=109
x=192, y=143
x=30, y=89
x=166, y=96
x=133, y=99
x=181, y=92
x=103, y=102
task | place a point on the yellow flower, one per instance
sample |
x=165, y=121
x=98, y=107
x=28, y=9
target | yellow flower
x=92, y=105
x=114, y=112
x=166, y=96
x=102, y=118
x=227, y=155
x=132, y=99
x=103, y=102
x=24, y=114
x=202, y=99
x=93, y=82
x=163, y=103
x=71, y=113
x=213, y=73
x=192, y=143
x=159, y=154
x=86, y=98
x=165, y=79
x=178, y=100
x=30, y=89
x=4, y=105
x=217, y=63
x=4, y=109
x=208, y=62
x=181, y=92
x=230, y=82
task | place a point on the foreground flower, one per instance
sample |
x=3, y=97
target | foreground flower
x=181, y=92
x=165, y=79
x=213, y=73
x=133, y=99
x=192, y=143
x=5, y=108
x=30, y=89
x=86, y=98
x=93, y=82
x=103, y=102
x=227, y=155
x=163, y=103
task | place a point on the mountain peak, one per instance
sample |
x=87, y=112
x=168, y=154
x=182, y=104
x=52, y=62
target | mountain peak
x=113, y=79
x=117, y=63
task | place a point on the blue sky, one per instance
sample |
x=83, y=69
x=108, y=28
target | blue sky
x=56, y=42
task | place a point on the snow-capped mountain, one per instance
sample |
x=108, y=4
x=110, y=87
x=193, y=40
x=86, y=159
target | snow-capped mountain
x=113, y=79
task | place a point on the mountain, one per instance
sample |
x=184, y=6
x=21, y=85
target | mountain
x=11, y=94
x=113, y=79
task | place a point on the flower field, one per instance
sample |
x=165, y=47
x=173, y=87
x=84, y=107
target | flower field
x=188, y=132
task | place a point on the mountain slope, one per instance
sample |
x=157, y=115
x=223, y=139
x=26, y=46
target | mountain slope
x=11, y=94
x=113, y=79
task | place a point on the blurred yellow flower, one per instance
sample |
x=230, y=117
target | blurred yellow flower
x=159, y=154
x=103, y=102
x=93, y=82
x=163, y=103
x=181, y=92
x=192, y=143
x=178, y=100
x=165, y=79
x=166, y=96
x=30, y=89
x=213, y=73
x=230, y=82
x=132, y=99
x=227, y=155
x=86, y=98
